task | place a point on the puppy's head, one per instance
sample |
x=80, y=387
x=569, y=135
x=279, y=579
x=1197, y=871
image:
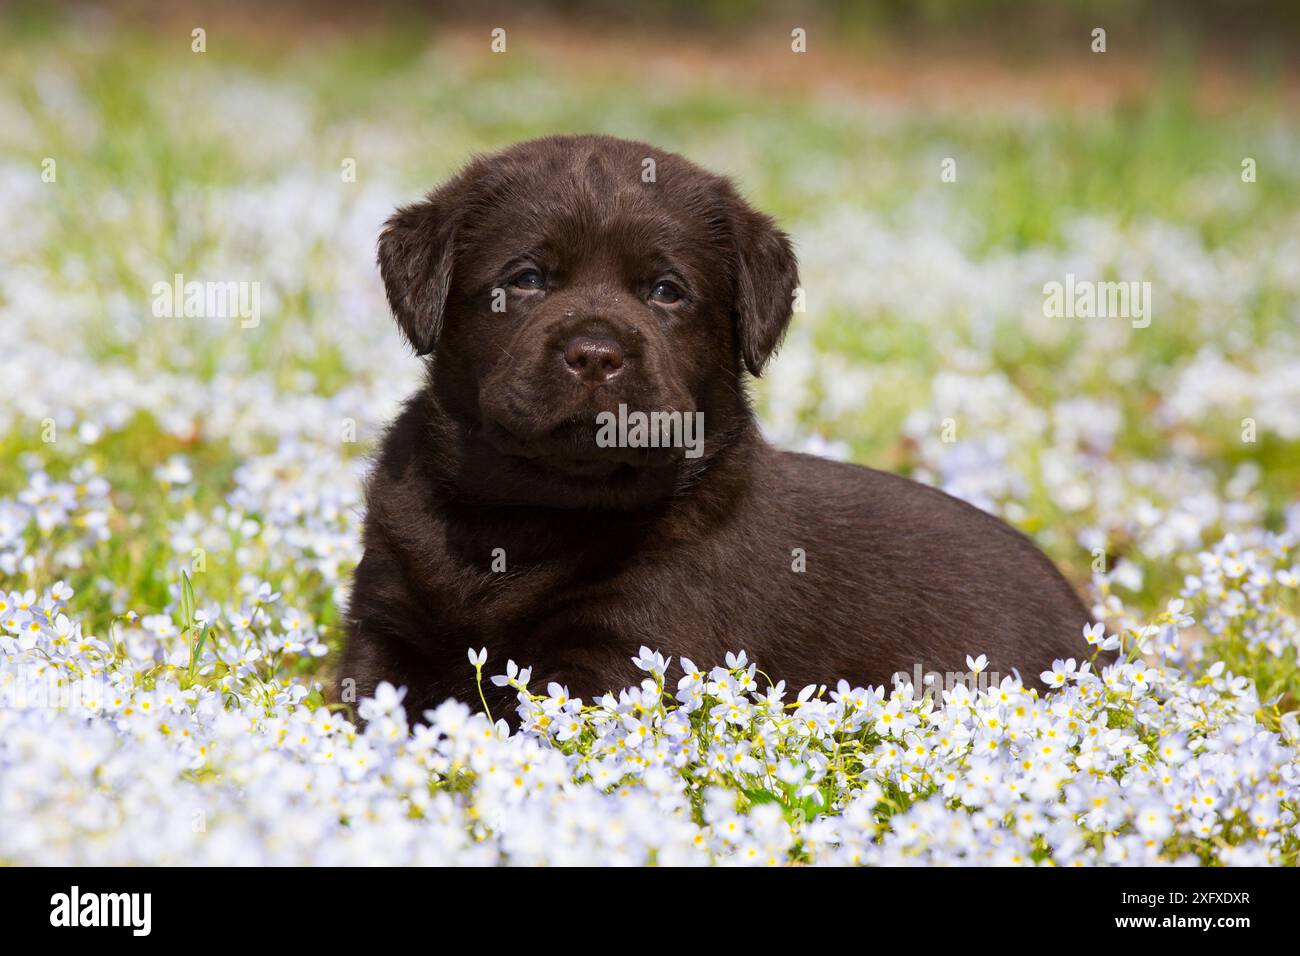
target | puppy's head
x=568, y=276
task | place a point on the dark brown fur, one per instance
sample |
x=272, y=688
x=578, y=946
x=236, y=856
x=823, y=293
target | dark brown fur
x=609, y=549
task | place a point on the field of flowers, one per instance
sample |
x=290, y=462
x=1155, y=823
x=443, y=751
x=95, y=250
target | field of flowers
x=180, y=497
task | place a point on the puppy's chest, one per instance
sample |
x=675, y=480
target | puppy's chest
x=538, y=594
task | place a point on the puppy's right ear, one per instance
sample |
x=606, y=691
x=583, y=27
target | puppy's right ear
x=416, y=254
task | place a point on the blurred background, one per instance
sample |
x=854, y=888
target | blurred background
x=239, y=142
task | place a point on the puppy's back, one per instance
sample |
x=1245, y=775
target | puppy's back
x=925, y=577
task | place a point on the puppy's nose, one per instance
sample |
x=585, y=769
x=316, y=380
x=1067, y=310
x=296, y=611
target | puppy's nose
x=593, y=360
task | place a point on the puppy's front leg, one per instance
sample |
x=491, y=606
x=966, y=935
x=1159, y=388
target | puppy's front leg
x=383, y=622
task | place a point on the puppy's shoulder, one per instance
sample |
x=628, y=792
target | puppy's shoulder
x=402, y=488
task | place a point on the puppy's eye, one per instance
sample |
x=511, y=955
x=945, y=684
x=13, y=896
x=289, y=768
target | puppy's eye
x=666, y=293
x=529, y=279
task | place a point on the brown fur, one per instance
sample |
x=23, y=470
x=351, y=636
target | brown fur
x=607, y=549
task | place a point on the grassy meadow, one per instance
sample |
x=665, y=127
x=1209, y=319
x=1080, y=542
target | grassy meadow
x=180, y=497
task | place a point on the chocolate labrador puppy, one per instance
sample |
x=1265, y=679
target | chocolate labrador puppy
x=562, y=293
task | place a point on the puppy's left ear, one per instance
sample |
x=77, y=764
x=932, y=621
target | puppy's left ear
x=767, y=276
x=416, y=255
